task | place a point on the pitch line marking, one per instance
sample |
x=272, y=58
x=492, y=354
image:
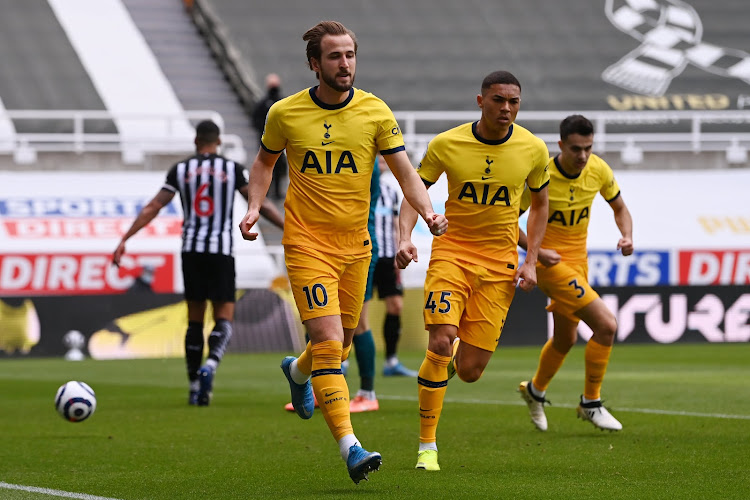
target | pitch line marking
x=631, y=410
x=54, y=493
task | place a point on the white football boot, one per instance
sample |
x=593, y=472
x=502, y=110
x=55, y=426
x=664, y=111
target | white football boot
x=598, y=415
x=535, y=404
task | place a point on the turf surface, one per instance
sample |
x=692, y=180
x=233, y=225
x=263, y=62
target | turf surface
x=685, y=411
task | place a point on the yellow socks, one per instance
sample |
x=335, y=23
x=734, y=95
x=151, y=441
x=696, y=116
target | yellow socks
x=304, y=362
x=550, y=361
x=432, y=383
x=597, y=358
x=330, y=387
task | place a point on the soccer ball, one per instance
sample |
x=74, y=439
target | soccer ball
x=75, y=401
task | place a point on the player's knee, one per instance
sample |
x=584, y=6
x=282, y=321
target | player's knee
x=607, y=328
x=470, y=374
x=440, y=344
x=564, y=343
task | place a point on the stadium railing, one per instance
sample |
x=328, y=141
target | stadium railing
x=77, y=137
x=239, y=75
x=629, y=133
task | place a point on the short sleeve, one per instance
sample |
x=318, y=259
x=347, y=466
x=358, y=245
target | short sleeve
x=539, y=176
x=170, y=183
x=273, y=139
x=241, y=175
x=610, y=189
x=430, y=168
x=389, y=138
x=525, y=199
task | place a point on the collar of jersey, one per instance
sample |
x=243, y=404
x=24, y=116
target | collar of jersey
x=330, y=106
x=563, y=172
x=487, y=141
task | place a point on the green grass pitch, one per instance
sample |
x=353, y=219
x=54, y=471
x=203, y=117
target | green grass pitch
x=685, y=411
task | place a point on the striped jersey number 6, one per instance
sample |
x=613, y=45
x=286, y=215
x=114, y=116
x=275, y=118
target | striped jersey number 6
x=432, y=305
x=581, y=291
x=203, y=205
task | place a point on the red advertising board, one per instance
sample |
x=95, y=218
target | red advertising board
x=32, y=274
x=714, y=267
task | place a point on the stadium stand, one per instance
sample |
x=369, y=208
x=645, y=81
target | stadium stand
x=188, y=64
x=425, y=58
x=41, y=69
x=429, y=55
x=85, y=80
x=613, y=60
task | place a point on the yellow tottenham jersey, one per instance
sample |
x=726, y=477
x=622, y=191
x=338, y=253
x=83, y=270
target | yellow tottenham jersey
x=331, y=150
x=485, y=183
x=570, y=200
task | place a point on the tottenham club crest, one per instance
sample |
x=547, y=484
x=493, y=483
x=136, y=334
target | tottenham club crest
x=327, y=134
x=487, y=168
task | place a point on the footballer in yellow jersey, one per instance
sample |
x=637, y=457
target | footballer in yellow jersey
x=331, y=150
x=331, y=133
x=485, y=183
x=576, y=176
x=570, y=200
x=474, y=268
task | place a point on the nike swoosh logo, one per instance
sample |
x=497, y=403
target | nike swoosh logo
x=328, y=395
x=422, y=409
x=326, y=143
x=485, y=178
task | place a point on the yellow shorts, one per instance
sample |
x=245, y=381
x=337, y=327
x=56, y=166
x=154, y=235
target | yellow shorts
x=567, y=286
x=470, y=297
x=325, y=284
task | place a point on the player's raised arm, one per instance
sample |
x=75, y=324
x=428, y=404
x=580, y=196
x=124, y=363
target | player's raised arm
x=624, y=223
x=415, y=192
x=261, y=173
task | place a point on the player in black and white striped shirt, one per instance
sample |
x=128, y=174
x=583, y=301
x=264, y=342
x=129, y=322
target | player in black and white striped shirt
x=386, y=277
x=206, y=183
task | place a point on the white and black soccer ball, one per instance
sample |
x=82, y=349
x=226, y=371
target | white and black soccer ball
x=75, y=401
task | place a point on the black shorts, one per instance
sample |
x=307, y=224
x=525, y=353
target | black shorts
x=386, y=279
x=208, y=277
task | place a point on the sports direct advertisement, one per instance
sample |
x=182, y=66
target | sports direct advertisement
x=57, y=234
x=688, y=278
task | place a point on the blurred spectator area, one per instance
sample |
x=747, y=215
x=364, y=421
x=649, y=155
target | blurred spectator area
x=120, y=83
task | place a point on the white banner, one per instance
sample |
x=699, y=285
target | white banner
x=674, y=213
x=58, y=230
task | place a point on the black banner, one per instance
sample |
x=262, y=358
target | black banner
x=664, y=314
x=136, y=325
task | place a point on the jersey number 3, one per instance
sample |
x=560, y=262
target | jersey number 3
x=444, y=303
x=578, y=288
